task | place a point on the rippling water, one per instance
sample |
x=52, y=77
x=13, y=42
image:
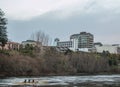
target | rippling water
x=66, y=81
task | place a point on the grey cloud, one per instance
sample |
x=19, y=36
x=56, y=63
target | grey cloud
x=93, y=23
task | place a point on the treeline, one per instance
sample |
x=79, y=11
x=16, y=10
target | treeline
x=53, y=62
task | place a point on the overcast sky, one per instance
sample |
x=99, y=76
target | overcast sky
x=62, y=18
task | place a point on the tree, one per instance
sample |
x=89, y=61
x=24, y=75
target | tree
x=41, y=37
x=28, y=50
x=3, y=32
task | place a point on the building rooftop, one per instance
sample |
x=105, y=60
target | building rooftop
x=81, y=33
x=29, y=41
x=12, y=42
x=74, y=36
x=65, y=41
x=98, y=43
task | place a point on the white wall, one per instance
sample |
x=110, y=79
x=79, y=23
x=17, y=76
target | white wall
x=75, y=44
x=110, y=48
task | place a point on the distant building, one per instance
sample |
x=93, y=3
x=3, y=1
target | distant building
x=11, y=46
x=65, y=44
x=114, y=49
x=116, y=45
x=31, y=42
x=83, y=41
x=98, y=44
x=78, y=42
x=74, y=38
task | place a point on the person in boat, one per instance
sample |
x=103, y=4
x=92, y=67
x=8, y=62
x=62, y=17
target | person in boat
x=33, y=81
x=29, y=81
x=25, y=81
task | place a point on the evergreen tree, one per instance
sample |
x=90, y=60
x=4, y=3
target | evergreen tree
x=3, y=31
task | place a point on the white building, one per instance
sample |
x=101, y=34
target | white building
x=74, y=38
x=32, y=43
x=65, y=44
x=78, y=42
x=114, y=49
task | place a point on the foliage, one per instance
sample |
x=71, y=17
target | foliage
x=3, y=32
x=27, y=50
x=56, y=63
x=5, y=52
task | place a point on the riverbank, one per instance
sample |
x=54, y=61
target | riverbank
x=52, y=63
x=49, y=75
x=64, y=74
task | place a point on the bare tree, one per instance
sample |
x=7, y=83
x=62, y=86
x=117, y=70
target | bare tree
x=41, y=37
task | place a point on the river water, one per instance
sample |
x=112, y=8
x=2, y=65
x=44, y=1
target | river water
x=65, y=81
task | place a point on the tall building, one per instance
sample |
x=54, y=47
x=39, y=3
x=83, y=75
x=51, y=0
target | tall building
x=83, y=40
x=74, y=38
x=78, y=42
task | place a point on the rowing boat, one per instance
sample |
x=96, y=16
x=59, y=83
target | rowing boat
x=32, y=83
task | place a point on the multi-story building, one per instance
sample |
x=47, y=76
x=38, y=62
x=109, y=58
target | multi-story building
x=74, y=38
x=78, y=42
x=65, y=44
x=83, y=41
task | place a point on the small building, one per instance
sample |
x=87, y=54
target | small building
x=11, y=46
x=31, y=42
x=98, y=44
x=114, y=49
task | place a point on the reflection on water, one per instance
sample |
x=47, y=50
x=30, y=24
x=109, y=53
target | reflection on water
x=65, y=81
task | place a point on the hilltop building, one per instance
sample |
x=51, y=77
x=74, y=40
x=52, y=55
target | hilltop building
x=98, y=44
x=32, y=43
x=113, y=49
x=83, y=41
x=11, y=46
x=78, y=42
x=65, y=44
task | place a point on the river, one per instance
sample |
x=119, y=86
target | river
x=65, y=81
